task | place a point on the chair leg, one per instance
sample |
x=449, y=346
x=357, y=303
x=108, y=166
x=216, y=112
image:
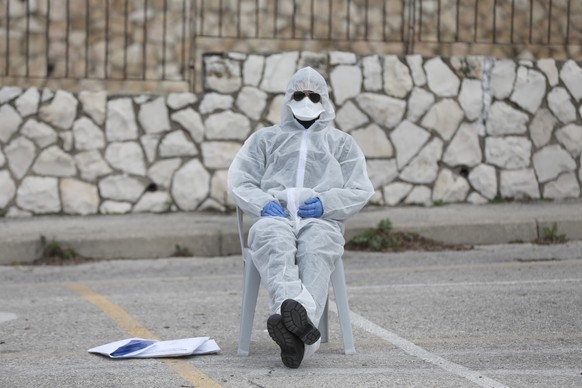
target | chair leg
x=323, y=326
x=338, y=281
x=251, y=283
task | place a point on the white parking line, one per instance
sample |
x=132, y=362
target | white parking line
x=468, y=284
x=416, y=351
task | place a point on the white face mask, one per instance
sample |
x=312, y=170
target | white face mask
x=305, y=109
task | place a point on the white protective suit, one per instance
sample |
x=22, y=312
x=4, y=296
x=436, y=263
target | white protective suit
x=289, y=164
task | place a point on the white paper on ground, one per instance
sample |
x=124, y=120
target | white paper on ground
x=142, y=348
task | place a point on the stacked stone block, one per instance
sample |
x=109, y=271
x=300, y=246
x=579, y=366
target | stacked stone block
x=434, y=130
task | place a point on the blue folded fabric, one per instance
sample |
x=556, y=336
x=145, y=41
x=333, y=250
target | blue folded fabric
x=132, y=346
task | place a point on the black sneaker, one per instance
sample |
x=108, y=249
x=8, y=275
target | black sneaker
x=295, y=319
x=292, y=348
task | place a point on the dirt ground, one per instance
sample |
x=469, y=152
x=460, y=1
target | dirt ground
x=402, y=242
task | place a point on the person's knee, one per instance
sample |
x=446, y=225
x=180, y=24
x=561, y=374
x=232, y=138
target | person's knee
x=268, y=228
x=270, y=225
x=323, y=232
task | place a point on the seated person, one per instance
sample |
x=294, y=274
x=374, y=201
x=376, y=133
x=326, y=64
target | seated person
x=299, y=181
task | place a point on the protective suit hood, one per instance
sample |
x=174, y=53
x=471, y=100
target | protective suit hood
x=306, y=79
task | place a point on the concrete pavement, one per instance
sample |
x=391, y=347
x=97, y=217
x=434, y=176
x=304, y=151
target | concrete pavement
x=211, y=234
x=496, y=316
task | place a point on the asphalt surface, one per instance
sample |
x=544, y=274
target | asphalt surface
x=499, y=315
x=494, y=316
x=208, y=234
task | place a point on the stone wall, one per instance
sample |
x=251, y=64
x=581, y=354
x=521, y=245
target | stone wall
x=459, y=129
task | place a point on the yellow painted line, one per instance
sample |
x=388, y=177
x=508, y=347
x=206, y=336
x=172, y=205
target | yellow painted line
x=183, y=368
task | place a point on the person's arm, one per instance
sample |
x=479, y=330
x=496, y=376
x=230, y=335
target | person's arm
x=244, y=177
x=343, y=202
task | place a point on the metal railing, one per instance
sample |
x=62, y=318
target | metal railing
x=159, y=40
x=553, y=28
x=319, y=19
x=539, y=22
x=105, y=40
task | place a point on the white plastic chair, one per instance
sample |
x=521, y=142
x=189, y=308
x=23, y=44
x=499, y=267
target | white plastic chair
x=252, y=281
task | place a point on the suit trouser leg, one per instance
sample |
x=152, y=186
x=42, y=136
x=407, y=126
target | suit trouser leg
x=319, y=245
x=273, y=245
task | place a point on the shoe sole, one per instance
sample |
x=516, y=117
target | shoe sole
x=292, y=349
x=295, y=319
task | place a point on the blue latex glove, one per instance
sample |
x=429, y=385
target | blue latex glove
x=273, y=209
x=311, y=208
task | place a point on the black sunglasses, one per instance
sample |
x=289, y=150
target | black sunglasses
x=314, y=97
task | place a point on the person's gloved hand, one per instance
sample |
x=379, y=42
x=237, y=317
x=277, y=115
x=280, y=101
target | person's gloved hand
x=311, y=208
x=273, y=209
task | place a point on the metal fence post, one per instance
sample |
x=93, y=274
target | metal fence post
x=410, y=32
x=193, y=49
